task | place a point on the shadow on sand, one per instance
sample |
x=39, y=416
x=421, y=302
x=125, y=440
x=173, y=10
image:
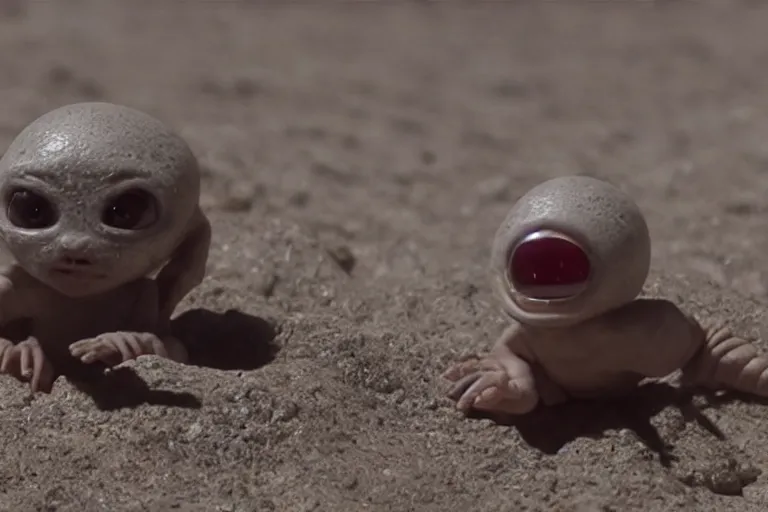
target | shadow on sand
x=232, y=340
x=224, y=341
x=548, y=429
x=124, y=388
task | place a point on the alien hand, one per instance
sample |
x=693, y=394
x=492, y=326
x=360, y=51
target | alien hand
x=118, y=347
x=485, y=385
x=466, y=366
x=27, y=363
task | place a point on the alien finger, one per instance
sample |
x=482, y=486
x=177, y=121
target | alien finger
x=158, y=347
x=79, y=348
x=469, y=358
x=9, y=355
x=456, y=372
x=513, y=396
x=94, y=349
x=462, y=385
x=38, y=361
x=499, y=400
x=37, y=371
x=104, y=352
x=3, y=349
x=87, y=350
x=470, y=396
x=9, y=359
x=44, y=376
x=120, y=342
x=26, y=360
x=110, y=351
x=130, y=345
x=45, y=380
x=468, y=367
x=492, y=396
x=89, y=357
x=462, y=369
x=134, y=345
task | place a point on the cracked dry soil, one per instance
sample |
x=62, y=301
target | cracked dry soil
x=358, y=159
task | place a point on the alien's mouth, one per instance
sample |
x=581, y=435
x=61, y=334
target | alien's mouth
x=547, y=265
x=77, y=273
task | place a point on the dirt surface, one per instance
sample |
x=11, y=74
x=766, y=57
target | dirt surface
x=358, y=159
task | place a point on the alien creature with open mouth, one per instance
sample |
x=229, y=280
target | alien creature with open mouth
x=568, y=264
x=94, y=198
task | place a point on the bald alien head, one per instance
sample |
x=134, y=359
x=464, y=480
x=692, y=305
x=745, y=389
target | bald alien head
x=93, y=195
x=570, y=249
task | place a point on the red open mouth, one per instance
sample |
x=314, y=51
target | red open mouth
x=549, y=265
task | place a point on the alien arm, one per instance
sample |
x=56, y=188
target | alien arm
x=655, y=337
x=708, y=355
x=186, y=267
x=150, y=335
x=503, y=382
x=8, y=312
x=727, y=361
x=505, y=351
x=7, y=304
x=508, y=351
x=25, y=360
x=17, y=292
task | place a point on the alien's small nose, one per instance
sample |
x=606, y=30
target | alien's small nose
x=74, y=250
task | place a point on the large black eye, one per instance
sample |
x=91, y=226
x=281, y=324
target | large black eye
x=131, y=210
x=30, y=210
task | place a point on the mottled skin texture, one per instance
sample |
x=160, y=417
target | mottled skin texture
x=95, y=200
x=602, y=340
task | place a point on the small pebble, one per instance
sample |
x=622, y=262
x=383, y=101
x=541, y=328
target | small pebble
x=241, y=196
x=285, y=412
x=350, y=482
x=342, y=255
x=266, y=286
x=194, y=431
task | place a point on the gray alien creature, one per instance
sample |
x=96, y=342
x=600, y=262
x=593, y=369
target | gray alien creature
x=99, y=213
x=568, y=264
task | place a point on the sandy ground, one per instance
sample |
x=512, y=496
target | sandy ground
x=358, y=159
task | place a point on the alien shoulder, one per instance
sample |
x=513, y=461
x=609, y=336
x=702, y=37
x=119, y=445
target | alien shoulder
x=14, y=278
x=647, y=316
x=6, y=284
x=18, y=291
x=657, y=336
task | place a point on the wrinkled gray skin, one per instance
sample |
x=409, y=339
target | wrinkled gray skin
x=599, y=339
x=603, y=220
x=81, y=157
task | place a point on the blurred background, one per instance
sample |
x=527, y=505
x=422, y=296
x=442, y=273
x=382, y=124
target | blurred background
x=358, y=158
x=426, y=119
